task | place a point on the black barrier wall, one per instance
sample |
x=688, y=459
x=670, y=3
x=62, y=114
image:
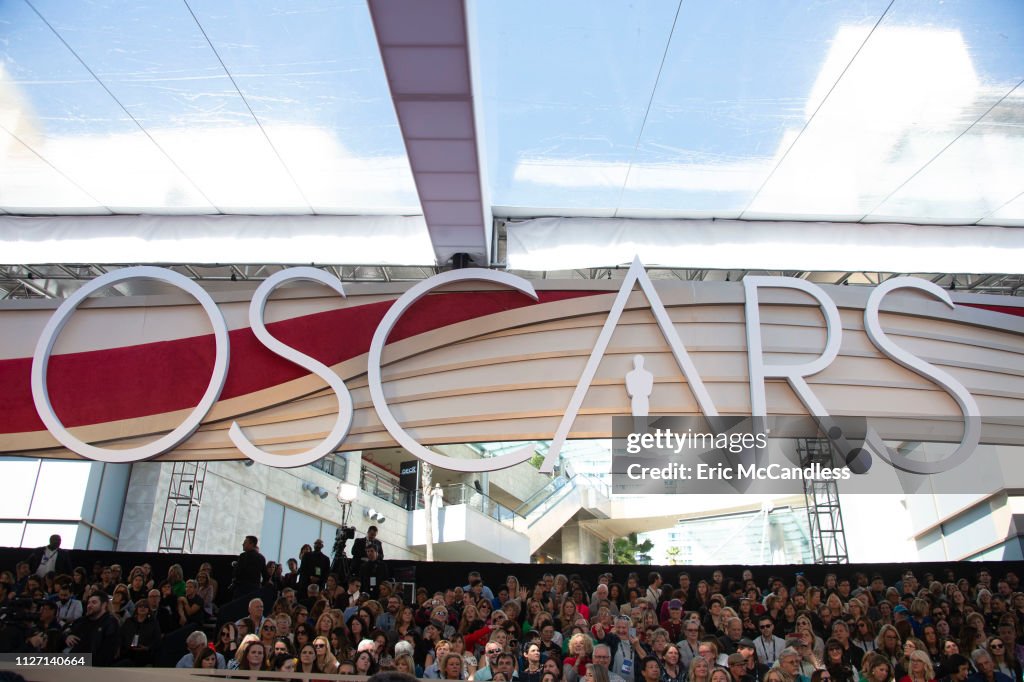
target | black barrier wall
x=440, y=575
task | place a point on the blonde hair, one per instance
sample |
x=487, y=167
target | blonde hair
x=329, y=663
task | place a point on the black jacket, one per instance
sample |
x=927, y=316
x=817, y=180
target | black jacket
x=315, y=565
x=148, y=632
x=62, y=565
x=249, y=570
x=97, y=637
x=371, y=575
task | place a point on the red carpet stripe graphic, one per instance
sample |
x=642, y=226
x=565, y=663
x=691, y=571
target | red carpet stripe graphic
x=135, y=381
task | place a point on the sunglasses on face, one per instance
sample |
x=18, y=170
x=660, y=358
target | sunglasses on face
x=319, y=646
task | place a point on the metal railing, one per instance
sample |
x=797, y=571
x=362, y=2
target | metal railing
x=333, y=465
x=461, y=493
x=384, y=488
x=537, y=498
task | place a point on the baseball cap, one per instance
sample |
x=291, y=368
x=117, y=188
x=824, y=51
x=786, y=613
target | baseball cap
x=675, y=604
x=900, y=608
x=745, y=642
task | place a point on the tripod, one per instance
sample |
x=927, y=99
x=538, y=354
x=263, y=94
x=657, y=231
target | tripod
x=340, y=565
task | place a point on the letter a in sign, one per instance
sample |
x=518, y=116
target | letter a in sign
x=636, y=274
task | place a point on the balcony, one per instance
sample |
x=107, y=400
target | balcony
x=470, y=526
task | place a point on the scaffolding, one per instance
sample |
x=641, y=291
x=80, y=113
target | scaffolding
x=181, y=513
x=824, y=516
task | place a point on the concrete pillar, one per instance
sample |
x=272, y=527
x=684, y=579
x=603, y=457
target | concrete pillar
x=578, y=545
x=355, y=466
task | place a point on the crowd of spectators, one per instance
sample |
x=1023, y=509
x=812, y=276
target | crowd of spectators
x=626, y=627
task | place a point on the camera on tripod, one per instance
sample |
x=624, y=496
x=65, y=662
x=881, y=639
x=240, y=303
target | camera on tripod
x=341, y=537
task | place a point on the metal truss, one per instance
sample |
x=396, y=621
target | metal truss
x=58, y=280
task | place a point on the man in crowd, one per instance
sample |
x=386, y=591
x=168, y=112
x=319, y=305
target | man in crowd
x=768, y=646
x=674, y=625
x=95, y=633
x=69, y=609
x=372, y=572
x=50, y=558
x=359, y=547
x=386, y=620
x=314, y=568
x=603, y=657
x=789, y=663
x=249, y=568
x=986, y=668
x=728, y=642
x=195, y=644
x=754, y=670
x=959, y=669
x=853, y=655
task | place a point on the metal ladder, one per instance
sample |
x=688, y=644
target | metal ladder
x=828, y=536
x=181, y=513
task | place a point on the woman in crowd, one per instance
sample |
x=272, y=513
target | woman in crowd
x=207, y=591
x=469, y=622
x=207, y=659
x=615, y=595
x=530, y=670
x=581, y=649
x=863, y=634
x=176, y=578
x=671, y=667
x=283, y=663
x=432, y=662
x=805, y=629
x=236, y=662
x=357, y=629
x=713, y=622
x=822, y=674
x=700, y=670
x=254, y=656
x=1003, y=657
x=911, y=645
x=888, y=644
x=930, y=637
x=325, y=659
x=307, y=660
x=876, y=668
x=839, y=670
x=595, y=673
x=282, y=647
x=404, y=663
x=919, y=668
x=302, y=636
x=469, y=661
x=566, y=615
x=120, y=605
x=365, y=665
x=324, y=625
x=947, y=649
x=340, y=644
x=719, y=675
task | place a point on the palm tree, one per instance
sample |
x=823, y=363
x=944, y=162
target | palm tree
x=628, y=551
